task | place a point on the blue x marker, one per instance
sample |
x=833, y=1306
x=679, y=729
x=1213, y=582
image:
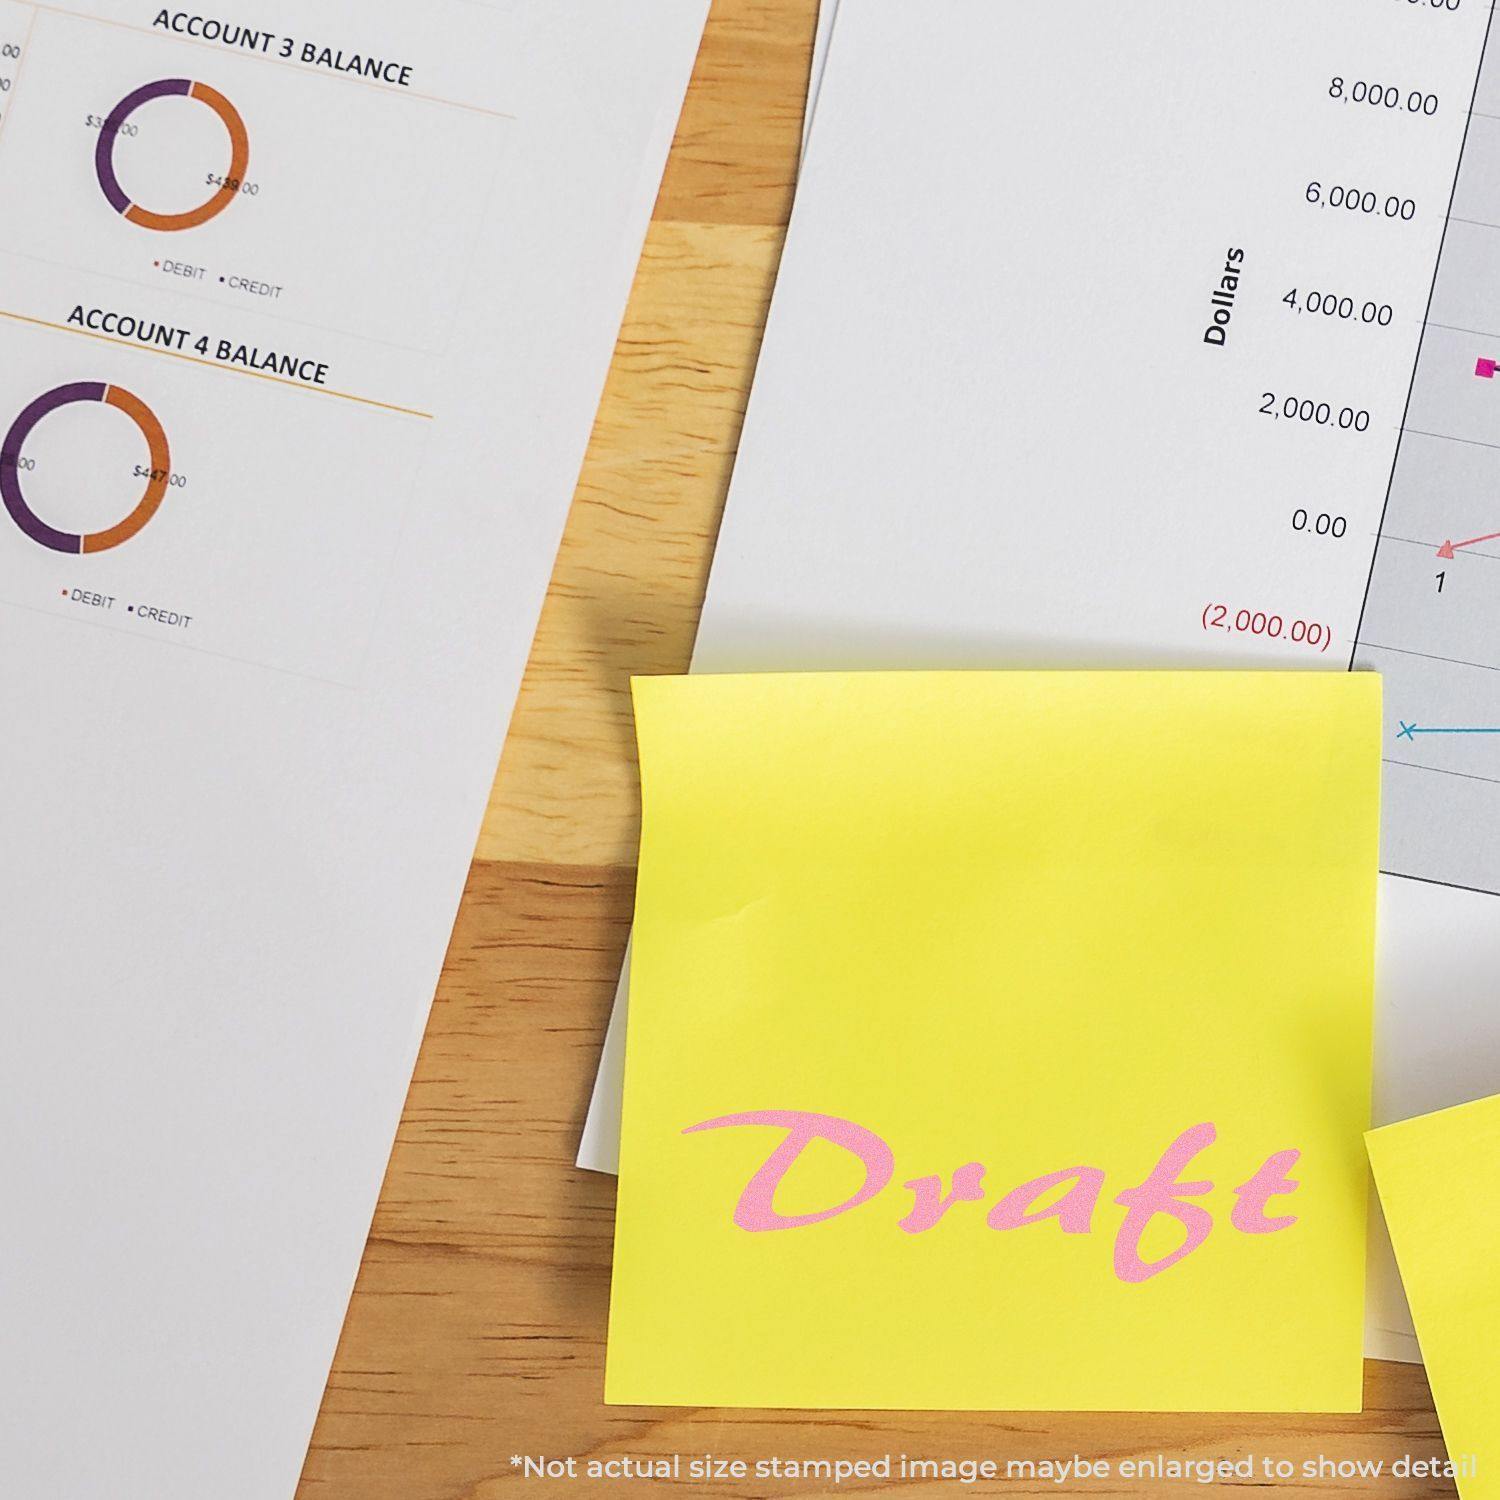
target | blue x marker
x=1411, y=731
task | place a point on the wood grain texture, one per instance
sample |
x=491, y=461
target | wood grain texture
x=633, y=566
x=477, y=1328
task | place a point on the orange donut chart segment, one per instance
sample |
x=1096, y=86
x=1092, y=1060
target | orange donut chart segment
x=234, y=178
x=156, y=486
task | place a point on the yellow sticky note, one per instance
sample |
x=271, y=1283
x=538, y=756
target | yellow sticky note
x=999, y=1041
x=1439, y=1182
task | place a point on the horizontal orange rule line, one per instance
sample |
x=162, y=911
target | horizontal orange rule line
x=213, y=364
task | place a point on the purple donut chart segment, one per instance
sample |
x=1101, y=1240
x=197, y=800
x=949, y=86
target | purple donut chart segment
x=104, y=152
x=109, y=134
x=78, y=543
x=10, y=460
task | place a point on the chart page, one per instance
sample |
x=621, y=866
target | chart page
x=210, y=392
x=1202, y=367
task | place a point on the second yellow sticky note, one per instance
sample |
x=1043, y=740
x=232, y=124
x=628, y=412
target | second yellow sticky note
x=1437, y=1177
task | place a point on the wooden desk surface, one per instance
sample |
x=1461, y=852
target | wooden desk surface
x=477, y=1329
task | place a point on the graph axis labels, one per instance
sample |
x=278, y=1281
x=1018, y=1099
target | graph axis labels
x=83, y=543
x=169, y=88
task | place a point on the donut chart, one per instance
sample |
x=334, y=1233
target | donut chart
x=167, y=88
x=78, y=543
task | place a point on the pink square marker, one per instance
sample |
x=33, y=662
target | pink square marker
x=1485, y=369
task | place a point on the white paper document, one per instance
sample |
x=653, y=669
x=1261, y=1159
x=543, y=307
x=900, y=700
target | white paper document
x=827, y=13
x=1102, y=337
x=305, y=310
